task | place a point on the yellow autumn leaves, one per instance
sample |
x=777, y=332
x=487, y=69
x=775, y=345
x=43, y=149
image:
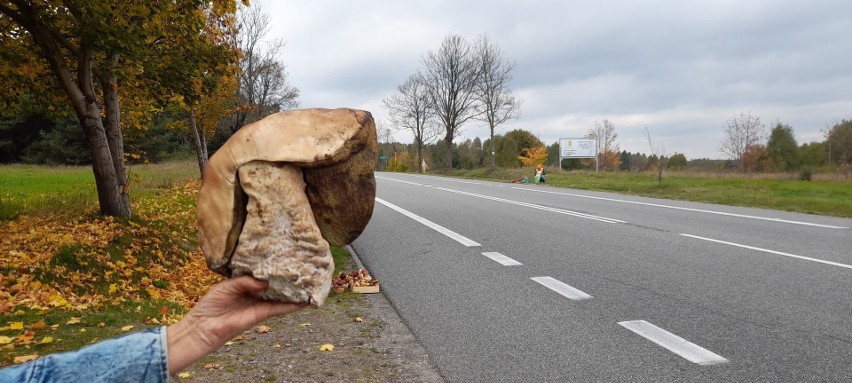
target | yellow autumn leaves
x=57, y=262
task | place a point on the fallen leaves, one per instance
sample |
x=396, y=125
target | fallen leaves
x=213, y=366
x=99, y=258
x=327, y=347
x=184, y=375
x=40, y=325
x=263, y=329
x=56, y=262
x=25, y=358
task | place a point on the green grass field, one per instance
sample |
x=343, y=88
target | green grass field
x=824, y=197
x=27, y=189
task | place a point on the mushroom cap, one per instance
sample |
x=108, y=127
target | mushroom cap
x=335, y=148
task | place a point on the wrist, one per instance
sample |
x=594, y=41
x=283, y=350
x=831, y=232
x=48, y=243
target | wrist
x=187, y=344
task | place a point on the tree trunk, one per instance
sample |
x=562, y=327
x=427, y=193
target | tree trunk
x=419, y=155
x=110, y=197
x=115, y=139
x=200, y=146
x=448, y=159
x=493, y=155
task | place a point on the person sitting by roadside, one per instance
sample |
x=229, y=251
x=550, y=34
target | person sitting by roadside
x=539, y=174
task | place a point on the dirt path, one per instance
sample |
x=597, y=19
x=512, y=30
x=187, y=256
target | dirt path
x=376, y=348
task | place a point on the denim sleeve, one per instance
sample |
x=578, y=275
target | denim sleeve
x=138, y=357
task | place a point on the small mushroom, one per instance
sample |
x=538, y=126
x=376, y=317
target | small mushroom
x=280, y=191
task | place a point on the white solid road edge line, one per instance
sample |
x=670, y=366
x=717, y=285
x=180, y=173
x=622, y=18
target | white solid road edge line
x=443, y=230
x=685, y=349
x=501, y=259
x=687, y=209
x=561, y=288
x=534, y=206
x=770, y=251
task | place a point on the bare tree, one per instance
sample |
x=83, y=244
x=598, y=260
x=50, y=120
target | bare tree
x=741, y=132
x=451, y=74
x=262, y=87
x=410, y=109
x=604, y=133
x=660, y=152
x=496, y=99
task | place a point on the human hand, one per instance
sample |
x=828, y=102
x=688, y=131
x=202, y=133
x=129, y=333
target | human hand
x=223, y=313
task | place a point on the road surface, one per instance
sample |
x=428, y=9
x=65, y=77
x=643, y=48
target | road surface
x=530, y=283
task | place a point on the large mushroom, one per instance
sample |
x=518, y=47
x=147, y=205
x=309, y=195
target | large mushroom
x=280, y=191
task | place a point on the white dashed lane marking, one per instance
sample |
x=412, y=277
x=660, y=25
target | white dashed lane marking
x=685, y=349
x=562, y=288
x=501, y=259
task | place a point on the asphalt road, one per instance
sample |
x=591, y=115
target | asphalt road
x=529, y=283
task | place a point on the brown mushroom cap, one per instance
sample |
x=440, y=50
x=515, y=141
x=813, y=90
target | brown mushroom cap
x=335, y=148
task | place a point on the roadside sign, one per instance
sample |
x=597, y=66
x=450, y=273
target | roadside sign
x=577, y=148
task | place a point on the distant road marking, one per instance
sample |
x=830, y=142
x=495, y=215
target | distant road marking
x=534, y=206
x=685, y=349
x=444, y=179
x=405, y=182
x=687, y=209
x=770, y=251
x=561, y=288
x=502, y=259
x=526, y=204
x=443, y=230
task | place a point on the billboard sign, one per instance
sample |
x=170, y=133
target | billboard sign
x=577, y=148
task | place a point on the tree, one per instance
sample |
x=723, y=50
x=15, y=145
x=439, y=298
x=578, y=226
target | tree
x=608, y=150
x=263, y=87
x=533, y=156
x=451, y=75
x=813, y=154
x=507, y=152
x=659, y=153
x=840, y=143
x=496, y=99
x=756, y=158
x=741, y=131
x=677, y=161
x=625, y=161
x=90, y=47
x=782, y=148
x=409, y=108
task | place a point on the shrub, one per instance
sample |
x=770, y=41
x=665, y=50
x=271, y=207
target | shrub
x=805, y=175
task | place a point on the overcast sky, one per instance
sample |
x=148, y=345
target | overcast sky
x=679, y=68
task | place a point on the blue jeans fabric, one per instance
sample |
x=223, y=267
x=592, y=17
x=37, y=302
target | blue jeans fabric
x=138, y=357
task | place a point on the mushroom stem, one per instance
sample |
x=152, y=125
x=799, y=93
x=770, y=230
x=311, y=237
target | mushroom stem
x=280, y=241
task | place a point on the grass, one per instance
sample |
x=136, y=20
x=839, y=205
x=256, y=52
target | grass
x=41, y=190
x=823, y=197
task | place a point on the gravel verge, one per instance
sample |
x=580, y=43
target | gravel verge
x=371, y=344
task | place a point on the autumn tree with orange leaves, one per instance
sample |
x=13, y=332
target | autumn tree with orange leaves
x=102, y=53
